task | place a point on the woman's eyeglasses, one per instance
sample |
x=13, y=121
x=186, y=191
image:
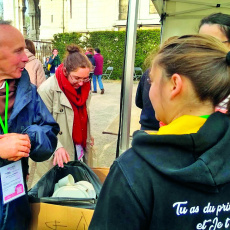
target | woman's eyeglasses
x=79, y=79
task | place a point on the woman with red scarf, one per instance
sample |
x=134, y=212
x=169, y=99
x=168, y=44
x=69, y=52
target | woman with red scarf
x=67, y=95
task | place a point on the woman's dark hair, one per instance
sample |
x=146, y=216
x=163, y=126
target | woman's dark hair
x=75, y=58
x=223, y=20
x=97, y=50
x=30, y=46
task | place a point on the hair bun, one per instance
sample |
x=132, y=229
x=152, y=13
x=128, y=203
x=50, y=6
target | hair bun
x=73, y=49
x=228, y=58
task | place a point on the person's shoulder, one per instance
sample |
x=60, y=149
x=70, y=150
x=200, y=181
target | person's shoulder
x=49, y=84
x=28, y=53
x=146, y=74
x=144, y=79
x=128, y=156
x=128, y=162
x=25, y=85
x=37, y=62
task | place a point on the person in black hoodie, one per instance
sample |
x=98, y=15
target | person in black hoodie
x=179, y=177
x=147, y=117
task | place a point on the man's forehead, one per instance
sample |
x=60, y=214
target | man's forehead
x=5, y=29
x=9, y=35
x=8, y=30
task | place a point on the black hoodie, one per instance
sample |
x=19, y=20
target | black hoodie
x=179, y=182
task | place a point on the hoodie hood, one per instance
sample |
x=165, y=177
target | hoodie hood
x=200, y=160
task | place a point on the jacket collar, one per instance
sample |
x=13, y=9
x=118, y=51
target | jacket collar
x=63, y=99
x=185, y=124
x=23, y=94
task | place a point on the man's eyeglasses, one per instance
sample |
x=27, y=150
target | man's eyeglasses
x=79, y=79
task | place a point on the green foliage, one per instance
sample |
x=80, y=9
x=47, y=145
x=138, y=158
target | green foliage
x=62, y=40
x=112, y=46
x=147, y=41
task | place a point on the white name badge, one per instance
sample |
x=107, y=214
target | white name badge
x=12, y=181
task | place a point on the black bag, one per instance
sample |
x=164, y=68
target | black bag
x=47, y=72
x=43, y=190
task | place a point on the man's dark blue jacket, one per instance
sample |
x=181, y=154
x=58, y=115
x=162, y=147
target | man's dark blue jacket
x=29, y=116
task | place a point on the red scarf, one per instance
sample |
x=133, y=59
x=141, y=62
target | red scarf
x=77, y=99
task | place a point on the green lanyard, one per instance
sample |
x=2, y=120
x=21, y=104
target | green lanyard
x=5, y=127
x=205, y=116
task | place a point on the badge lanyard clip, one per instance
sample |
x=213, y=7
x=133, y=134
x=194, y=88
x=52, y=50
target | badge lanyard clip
x=5, y=127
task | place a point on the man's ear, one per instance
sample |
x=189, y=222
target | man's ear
x=176, y=85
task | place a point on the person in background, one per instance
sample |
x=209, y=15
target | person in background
x=54, y=61
x=31, y=129
x=98, y=71
x=172, y=178
x=47, y=61
x=147, y=118
x=67, y=96
x=34, y=66
x=89, y=54
x=47, y=72
x=218, y=26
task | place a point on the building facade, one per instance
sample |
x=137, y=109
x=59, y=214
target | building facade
x=49, y=17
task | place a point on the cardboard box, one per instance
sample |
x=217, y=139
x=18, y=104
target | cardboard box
x=101, y=173
x=50, y=216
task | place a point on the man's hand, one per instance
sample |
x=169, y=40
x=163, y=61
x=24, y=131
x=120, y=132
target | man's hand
x=14, y=146
x=61, y=156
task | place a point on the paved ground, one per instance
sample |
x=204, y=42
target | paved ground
x=104, y=109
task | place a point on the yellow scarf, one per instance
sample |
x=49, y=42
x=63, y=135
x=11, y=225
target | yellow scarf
x=185, y=124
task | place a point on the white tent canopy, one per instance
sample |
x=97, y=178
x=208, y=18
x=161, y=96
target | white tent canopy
x=180, y=17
